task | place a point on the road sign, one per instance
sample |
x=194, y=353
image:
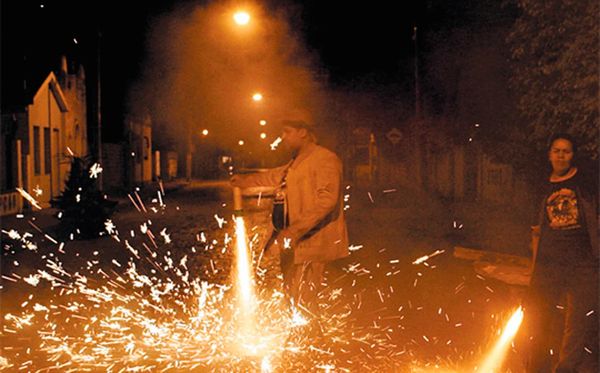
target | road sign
x=394, y=135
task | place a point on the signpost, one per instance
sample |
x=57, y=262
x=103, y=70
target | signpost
x=394, y=135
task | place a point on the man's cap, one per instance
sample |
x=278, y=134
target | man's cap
x=298, y=117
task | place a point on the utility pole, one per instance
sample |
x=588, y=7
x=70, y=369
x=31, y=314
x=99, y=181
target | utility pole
x=99, y=108
x=420, y=151
x=416, y=68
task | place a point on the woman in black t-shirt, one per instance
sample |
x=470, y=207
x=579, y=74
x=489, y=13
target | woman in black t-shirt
x=565, y=270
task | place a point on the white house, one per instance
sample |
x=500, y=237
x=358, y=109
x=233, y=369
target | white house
x=38, y=141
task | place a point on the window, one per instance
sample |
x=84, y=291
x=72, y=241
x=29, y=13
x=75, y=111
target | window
x=146, y=147
x=495, y=177
x=36, y=150
x=47, y=152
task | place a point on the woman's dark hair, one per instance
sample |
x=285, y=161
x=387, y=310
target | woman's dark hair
x=564, y=136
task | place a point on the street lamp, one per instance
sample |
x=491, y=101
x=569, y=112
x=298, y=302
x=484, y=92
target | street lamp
x=241, y=18
x=241, y=142
x=257, y=96
x=204, y=132
x=262, y=122
x=263, y=135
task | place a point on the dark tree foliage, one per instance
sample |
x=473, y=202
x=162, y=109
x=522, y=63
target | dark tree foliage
x=465, y=66
x=555, y=53
x=82, y=207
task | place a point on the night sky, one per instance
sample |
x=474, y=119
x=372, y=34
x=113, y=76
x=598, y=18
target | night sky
x=353, y=41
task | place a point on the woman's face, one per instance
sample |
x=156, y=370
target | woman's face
x=561, y=156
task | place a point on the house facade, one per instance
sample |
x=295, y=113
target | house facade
x=39, y=140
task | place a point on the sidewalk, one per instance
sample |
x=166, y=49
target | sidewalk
x=476, y=225
x=504, y=229
x=45, y=219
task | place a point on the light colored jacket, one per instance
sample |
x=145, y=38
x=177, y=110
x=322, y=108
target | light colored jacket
x=314, y=204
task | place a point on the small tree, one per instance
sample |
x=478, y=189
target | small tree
x=83, y=208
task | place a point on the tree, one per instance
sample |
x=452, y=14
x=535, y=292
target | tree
x=555, y=50
x=466, y=74
x=83, y=209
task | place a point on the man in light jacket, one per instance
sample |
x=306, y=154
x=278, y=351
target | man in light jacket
x=313, y=232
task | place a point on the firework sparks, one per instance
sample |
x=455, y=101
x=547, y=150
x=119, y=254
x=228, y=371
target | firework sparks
x=244, y=274
x=275, y=143
x=38, y=191
x=494, y=360
x=165, y=307
x=95, y=170
x=425, y=258
x=128, y=317
x=29, y=198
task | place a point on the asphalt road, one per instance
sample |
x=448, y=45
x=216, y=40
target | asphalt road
x=438, y=315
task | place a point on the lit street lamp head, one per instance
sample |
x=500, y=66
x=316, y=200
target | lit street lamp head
x=241, y=18
x=257, y=97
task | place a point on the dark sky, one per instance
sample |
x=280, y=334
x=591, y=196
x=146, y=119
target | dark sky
x=353, y=40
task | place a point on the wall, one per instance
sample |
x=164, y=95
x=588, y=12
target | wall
x=113, y=168
x=46, y=122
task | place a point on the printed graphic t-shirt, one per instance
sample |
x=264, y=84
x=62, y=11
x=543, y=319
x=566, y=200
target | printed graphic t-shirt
x=564, y=236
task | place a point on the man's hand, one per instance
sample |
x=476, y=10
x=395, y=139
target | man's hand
x=533, y=245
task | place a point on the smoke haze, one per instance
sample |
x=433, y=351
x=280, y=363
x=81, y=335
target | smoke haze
x=202, y=69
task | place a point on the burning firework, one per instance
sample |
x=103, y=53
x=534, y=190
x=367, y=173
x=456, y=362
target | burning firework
x=157, y=303
x=128, y=315
x=493, y=361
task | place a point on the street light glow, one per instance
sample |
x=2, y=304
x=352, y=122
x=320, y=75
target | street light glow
x=257, y=96
x=204, y=132
x=262, y=122
x=241, y=17
x=241, y=142
x=263, y=135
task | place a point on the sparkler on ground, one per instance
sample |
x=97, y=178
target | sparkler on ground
x=493, y=361
x=244, y=273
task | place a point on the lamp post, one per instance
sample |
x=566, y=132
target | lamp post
x=257, y=96
x=241, y=18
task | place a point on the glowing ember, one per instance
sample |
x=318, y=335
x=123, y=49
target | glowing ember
x=95, y=170
x=493, y=362
x=275, y=143
x=427, y=257
x=29, y=198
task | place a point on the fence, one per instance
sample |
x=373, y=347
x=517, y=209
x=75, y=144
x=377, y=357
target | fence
x=10, y=203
